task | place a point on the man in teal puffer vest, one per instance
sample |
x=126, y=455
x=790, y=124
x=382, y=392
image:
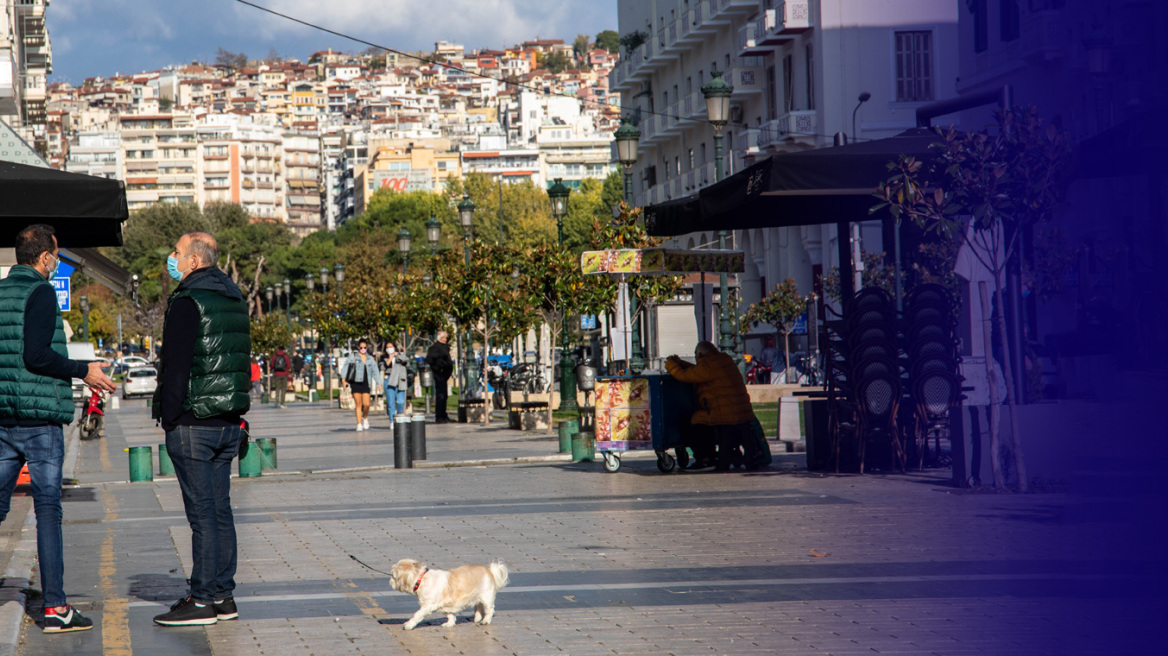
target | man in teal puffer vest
x=36, y=399
x=201, y=397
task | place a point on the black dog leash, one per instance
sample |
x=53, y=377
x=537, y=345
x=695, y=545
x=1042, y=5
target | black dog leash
x=367, y=566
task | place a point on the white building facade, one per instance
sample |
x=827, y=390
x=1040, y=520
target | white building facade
x=798, y=68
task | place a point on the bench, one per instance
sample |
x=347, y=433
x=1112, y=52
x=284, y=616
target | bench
x=470, y=410
x=528, y=415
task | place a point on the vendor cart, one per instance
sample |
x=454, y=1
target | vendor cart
x=646, y=410
x=641, y=412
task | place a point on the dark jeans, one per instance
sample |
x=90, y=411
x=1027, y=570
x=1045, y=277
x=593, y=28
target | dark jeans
x=202, y=462
x=43, y=448
x=441, y=391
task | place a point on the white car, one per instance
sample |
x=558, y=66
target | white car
x=139, y=381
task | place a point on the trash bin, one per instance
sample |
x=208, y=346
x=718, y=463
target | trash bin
x=583, y=446
x=267, y=448
x=165, y=465
x=141, y=463
x=250, y=460
x=568, y=428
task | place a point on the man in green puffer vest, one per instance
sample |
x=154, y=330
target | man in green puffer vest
x=201, y=398
x=36, y=399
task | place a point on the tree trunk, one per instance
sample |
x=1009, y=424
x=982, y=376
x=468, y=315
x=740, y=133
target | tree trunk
x=1011, y=399
x=549, y=405
x=995, y=409
x=786, y=356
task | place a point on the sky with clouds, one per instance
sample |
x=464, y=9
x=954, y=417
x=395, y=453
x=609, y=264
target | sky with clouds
x=104, y=37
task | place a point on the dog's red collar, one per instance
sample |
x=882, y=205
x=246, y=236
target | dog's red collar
x=419, y=581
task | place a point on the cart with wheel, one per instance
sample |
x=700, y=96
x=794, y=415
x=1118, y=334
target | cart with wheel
x=641, y=412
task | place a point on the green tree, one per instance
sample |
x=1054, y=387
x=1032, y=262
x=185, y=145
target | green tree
x=580, y=49
x=609, y=40
x=614, y=190
x=779, y=308
x=986, y=189
x=555, y=62
x=269, y=333
x=525, y=209
x=233, y=60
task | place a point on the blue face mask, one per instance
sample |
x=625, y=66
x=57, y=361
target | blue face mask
x=55, y=269
x=172, y=267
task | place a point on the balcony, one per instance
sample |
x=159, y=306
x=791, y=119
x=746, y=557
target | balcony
x=732, y=7
x=794, y=17
x=746, y=143
x=672, y=122
x=746, y=79
x=794, y=126
x=693, y=105
x=748, y=41
x=1042, y=35
x=686, y=33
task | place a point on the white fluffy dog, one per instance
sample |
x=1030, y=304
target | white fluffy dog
x=441, y=591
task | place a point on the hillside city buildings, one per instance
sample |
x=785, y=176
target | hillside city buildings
x=308, y=143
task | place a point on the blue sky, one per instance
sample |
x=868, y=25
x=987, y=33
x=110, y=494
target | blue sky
x=103, y=37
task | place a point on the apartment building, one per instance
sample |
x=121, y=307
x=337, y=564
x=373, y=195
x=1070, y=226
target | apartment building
x=568, y=154
x=26, y=60
x=302, y=179
x=798, y=69
x=161, y=158
x=412, y=167
x=243, y=164
x=97, y=153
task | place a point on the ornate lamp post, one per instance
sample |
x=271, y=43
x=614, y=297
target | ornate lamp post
x=627, y=138
x=288, y=303
x=466, y=210
x=403, y=245
x=85, y=318
x=559, y=194
x=269, y=293
x=433, y=233
x=339, y=272
x=717, y=93
x=324, y=364
x=310, y=285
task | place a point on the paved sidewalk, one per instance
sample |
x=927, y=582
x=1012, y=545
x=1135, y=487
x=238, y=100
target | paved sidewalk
x=777, y=562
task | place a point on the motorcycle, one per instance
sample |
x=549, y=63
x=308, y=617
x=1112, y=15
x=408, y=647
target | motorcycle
x=93, y=419
x=758, y=373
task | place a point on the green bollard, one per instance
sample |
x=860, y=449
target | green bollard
x=567, y=430
x=584, y=446
x=267, y=447
x=141, y=464
x=250, y=460
x=165, y=466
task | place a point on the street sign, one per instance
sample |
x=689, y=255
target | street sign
x=61, y=285
x=800, y=325
x=588, y=322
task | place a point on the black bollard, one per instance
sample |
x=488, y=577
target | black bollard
x=401, y=443
x=418, y=438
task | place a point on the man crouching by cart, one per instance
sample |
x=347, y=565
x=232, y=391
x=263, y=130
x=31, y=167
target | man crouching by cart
x=721, y=426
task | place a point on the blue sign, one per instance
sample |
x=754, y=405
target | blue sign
x=800, y=325
x=61, y=285
x=587, y=322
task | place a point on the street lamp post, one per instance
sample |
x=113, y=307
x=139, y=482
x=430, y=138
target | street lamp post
x=288, y=304
x=559, y=194
x=310, y=285
x=627, y=138
x=403, y=245
x=269, y=294
x=717, y=93
x=433, y=233
x=324, y=364
x=466, y=210
x=85, y=318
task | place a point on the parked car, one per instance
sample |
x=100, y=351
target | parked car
x=124, y=364
x=139, y=381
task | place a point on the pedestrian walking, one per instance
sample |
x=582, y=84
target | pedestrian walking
x=297, y=368
x=281, y=370
x=438, y=357
x=36, y=400
x=201, y=398
x=395, y=378
x=257, y=378
x=359, y=373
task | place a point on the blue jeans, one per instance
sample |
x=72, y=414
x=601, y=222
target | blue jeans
x=202, y=462
x=43, y=448
x=395, y=402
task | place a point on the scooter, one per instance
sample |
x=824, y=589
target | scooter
x=93, y=419
x=758, y=373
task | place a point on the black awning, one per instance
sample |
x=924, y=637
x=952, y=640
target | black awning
x=86, y=211
x=811, y=187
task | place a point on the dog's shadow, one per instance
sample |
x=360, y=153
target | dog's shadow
x=394, y=621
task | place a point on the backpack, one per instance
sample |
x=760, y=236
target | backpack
x=280, y=363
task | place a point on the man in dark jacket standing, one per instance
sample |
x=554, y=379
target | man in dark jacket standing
x=201, y=397
x=281, y=368
x=438, y=357
x=36, y=399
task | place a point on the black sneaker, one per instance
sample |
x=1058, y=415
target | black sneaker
x=187, y=612
x=64, y=619
x=225, y=609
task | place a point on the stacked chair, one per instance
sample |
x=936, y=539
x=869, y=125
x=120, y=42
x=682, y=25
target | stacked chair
x=864, y=381
x=932, y=366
